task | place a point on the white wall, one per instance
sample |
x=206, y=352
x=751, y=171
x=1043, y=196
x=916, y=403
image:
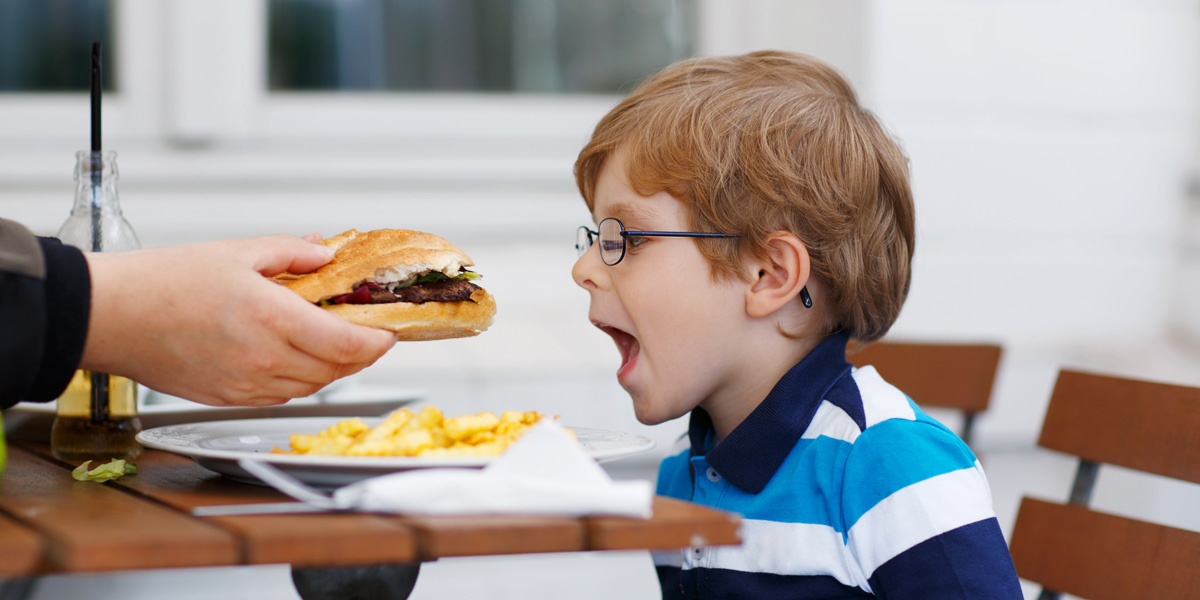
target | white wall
x=1051, y=144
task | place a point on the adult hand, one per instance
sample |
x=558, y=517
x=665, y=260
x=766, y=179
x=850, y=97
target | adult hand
x=201, y=322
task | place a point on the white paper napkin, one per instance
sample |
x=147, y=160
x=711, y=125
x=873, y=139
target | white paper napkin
x=545, y=472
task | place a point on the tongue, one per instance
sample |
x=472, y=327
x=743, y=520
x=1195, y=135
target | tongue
x=629, y=353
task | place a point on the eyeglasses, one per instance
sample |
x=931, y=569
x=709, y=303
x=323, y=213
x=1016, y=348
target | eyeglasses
x=612, y=235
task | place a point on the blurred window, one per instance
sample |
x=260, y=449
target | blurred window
x=536, y=46
x=45, y=44
x=483, y=75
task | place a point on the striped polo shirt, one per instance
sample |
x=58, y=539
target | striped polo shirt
x=846, y=490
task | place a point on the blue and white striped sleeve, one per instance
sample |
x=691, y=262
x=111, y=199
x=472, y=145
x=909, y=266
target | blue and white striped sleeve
x=919, y=516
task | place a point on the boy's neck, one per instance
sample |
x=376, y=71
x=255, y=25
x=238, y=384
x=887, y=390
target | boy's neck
x=754, y=379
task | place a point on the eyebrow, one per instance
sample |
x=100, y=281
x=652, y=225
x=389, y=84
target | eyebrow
x=630, y=211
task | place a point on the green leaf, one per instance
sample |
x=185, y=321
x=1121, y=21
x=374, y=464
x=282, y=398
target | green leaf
x=81, y=471
x=407, y=282
x=107, y=472
x=432, y=276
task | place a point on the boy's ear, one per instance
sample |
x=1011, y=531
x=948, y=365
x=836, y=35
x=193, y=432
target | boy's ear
x=777, y=278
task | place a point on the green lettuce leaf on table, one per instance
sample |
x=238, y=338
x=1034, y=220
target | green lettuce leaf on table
x=107, y=472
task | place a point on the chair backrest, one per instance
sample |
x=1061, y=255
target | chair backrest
x=1149, y=427
x=957, y=376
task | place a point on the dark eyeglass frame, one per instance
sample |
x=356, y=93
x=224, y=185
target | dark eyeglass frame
x=585, y=238
x=594, y=234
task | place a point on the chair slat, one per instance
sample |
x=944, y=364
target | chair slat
x=1140, y=425
x=957, y=376
x=1099, y=556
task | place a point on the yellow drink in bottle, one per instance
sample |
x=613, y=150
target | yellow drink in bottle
x=77, y=436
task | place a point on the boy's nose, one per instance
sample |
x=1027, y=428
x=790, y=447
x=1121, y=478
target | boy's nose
x=585, y=272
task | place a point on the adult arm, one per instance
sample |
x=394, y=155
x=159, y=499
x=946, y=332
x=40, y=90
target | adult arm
x=201, y=322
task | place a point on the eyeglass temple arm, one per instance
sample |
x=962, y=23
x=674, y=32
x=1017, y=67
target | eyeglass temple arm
x=804, y=295
x=677, y=234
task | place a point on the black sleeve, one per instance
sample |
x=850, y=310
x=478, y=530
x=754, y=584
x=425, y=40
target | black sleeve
x=45, y=301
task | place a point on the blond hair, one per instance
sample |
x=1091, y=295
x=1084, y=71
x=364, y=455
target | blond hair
x=773, y=141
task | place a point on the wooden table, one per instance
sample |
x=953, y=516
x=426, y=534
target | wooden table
x=50, y=523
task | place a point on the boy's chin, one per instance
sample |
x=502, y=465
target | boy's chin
x=648, y=414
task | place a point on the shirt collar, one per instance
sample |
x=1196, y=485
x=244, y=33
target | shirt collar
x=753, y=451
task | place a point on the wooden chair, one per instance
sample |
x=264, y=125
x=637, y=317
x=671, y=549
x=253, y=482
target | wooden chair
x=1072, y=549
x=957, y=376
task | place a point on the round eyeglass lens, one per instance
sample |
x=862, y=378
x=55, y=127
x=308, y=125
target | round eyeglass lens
x=612, y=243
x=583, y=240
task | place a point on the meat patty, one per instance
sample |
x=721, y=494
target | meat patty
x=449, y=290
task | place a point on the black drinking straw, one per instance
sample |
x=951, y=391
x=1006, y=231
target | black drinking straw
x=96, y=85
x=96, y=160
x=99, y=380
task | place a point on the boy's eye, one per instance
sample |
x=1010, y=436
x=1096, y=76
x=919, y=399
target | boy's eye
x=633, y=241
x=610, y=246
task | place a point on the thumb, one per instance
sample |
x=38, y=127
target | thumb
x=278, y=253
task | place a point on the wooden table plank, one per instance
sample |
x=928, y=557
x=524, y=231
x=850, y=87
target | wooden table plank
x=301, y=540
x=675, y=524
x=96, y=527
x=441, y=537
x=21, y=550
x=323, y=540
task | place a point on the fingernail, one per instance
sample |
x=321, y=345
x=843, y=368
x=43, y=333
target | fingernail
x=325, y=251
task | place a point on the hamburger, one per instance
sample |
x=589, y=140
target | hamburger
x=411, y=283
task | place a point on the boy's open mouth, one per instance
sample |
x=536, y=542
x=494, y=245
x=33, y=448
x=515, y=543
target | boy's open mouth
x=626, y=343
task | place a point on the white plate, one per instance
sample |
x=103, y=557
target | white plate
x=218, y=445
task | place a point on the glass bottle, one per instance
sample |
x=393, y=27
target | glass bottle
x=97, y=414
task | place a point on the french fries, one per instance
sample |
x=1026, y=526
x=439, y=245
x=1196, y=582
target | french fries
x=426, y=433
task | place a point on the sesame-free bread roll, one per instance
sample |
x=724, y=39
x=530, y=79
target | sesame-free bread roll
x=411, y=283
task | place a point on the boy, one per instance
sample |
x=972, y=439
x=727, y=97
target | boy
x=799, y=220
